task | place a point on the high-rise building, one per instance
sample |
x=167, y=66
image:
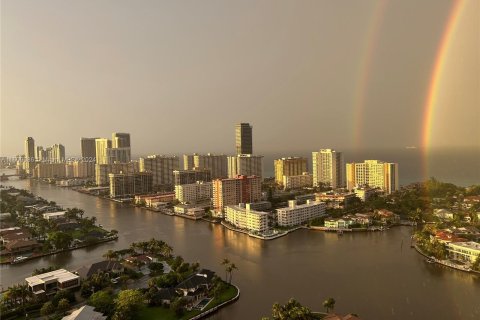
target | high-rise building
x=194, y=193
x=373, y=173
x=293, y=166
x=56, y=153
x=190, y=176
x=328, y=168
x=162, y=168
x=122, y=155
x=40, y=154
x=29, y=155
x=243, y=138
x=49, y=170
x=129, y=184
x=188, y=162
x=83, y=169
x=103, y=170
x=241, y=189
x=120, y=140
x=246, y=165
x=116, y=150
x=101, y=146
x=216, y=163
x=88, y=149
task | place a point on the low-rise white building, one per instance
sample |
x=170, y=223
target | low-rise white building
x=54, y=215
x=244, y=217
x=338, y=223
x=294, y=214
x=464, y=251
x=50, y=282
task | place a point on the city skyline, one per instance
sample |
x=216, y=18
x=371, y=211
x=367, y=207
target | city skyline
x=292, y=71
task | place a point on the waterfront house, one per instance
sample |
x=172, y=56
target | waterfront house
x=106, y=266
x=196, y=286
x=446, y=236
x=15, y=234
x=51, y=282
x=84, y=313
x=364, y=219
x=387, y=217
x=20, y=246
x=468, y=251
x=341, y=223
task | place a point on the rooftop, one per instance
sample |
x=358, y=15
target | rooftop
x=468, y=244
x=61, y=275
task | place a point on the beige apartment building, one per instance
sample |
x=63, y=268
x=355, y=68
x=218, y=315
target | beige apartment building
x=328, y=168
x=374, y=174
x=292, y=166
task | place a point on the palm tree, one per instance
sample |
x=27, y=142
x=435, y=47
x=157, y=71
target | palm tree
x=111, y=255
x=329, y=304
x=226, y=263
x=166, y=250
x=231, y=268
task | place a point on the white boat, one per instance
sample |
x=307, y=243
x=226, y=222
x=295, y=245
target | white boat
x=19, y=259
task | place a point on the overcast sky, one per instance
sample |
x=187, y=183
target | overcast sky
x=178, y=75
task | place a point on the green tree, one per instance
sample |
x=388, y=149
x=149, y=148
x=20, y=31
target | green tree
x=47, y=308
x=292, y=310
x=329, y=304
x=60, y=240
x=63, y=306
x=111, y=255
x=102, y=301
x=156, y=268
x=127, y=304
x=178, y=306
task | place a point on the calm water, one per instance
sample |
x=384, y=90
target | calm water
x=370, y=274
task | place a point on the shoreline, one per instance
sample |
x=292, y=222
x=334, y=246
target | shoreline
x=445, y=263
x=60, y=251
x=232, y=228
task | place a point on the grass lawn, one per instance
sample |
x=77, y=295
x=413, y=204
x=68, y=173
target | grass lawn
x=167, y=314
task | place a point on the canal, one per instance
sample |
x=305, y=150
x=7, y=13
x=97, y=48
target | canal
x=376, y=275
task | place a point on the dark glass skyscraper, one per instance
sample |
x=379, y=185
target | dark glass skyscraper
x=243, y=138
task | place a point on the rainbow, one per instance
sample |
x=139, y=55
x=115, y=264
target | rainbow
x=435, y=79
x=368, y=53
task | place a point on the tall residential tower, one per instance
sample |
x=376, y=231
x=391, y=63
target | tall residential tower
x=328, y=168
x=243, y=138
